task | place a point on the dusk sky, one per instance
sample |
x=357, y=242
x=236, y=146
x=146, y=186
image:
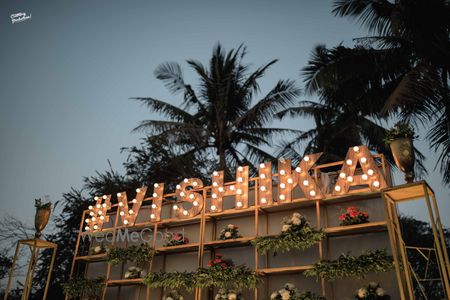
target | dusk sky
x=67, y=74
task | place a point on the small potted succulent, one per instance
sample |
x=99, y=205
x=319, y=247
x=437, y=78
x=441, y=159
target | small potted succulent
x=400, y=139
x=42, y=216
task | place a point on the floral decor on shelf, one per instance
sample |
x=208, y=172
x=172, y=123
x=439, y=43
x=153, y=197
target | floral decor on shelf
x=84, y=288
x=97, y=249
x=372, y=292
x=134, y=272
x=229, y=232
x=296, y=233
x=173, y=295
x=218, y=262
x=138, y=254
x=224, y=294
x=346, y=265
x=175, y=239
x=290, y=292
x=352, y=216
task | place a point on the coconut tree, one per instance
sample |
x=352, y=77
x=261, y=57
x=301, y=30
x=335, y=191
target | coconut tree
x=408, y=54
x=220, y=120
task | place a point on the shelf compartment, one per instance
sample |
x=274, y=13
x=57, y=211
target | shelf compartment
x=178, y=249
x=124, y=282
x=92, y=258
x=231, y=214
x=371, y=227
x=284, y=270
x=239, y=242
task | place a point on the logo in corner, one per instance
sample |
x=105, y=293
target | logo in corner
x=19, y=17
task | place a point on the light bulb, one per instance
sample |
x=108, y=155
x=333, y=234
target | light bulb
x=312, y=193
x=95, y=198
x=349, y=162
x=290, y=181
x=262, y=176
x=86, y=228
x=239, y=179
x=305, y=182
x=102, y=217
x=349, y=178
x=152, y=216
x=370, y=172
x=100, y=212
x=376, y=183
x=232, y=187
x=191, y=196
x=175, y=207
x=363, y=160
x=240, y=169
x=364, y=176
x=185, y=212
x=356, y=149
x=93, y=219
x=282, y=197
x=91, y=213
x=214, y=196
x=215, y=183
x=156, y=185
x=153, y=205
x=104, y=197
x=90, y=207
x=263, y=200
x=342, y=175
x=186, y=180
x=98, y=206
x=239, y=204
x=282, y=185
x=134, y=200
x=238, y=191
x=104, y=205
x=178, y=186
x=337, y=188
x=130, y=211
x=262, y=188
x=119, y=195
x=221, y=189
x=213, y=207
x=182, y=194
x=138, y=190
x=262, y=165
x=195, y=203
x=215, y=173
x=87, y=220
x=155, y=195
x=125, y=222
x=282, y=172
x=95, y=226
x=306, y=158
x=122, y=213
x=195, y=183
x=120, y=203
x=298, y=169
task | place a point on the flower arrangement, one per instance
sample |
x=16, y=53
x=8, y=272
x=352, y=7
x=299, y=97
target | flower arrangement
x=138, y=254
x=220, y=263
x=173, y=295
x=352, y=266
x=97, y=249
x=400, y=130
x=352, y=216
x=224, y=294
x=296, y=233
x=229, y=232
x=372, y=292
x=88, y=288
x=134, y=272
x=175, y=239
x=290, y=292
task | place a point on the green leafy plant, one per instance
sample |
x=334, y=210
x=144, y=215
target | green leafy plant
x=400, y=130
x=372, y=292
x=296, y=233
x=89, y=288
x=352, y=216
x=138, y=254
x=352, y=266
x=290, y=292
x=229, y=232
x=171, y=280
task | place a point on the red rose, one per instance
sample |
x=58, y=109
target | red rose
x=217, y=261
x=353, y=214
x=366, y=215
x=209, y=263
x=352, y=208
x=342, y=217
x=224, y=265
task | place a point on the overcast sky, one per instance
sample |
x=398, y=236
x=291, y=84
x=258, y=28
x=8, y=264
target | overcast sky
x=67, y=72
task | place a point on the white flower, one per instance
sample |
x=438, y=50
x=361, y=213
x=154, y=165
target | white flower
x=362, y=293
x=181, y=298
x=127, y=275
x=274, y=295
x=132, y=268
x=380, y=292
x=227, y=234
x=296, y=221
x=143, y=273
x=217, y=297
x=290, y=286
x=296, y=215
x=285, y=296
x=169, y=298
x=285, y=227
x=231, y=226
x=232, y=296
x=97, y=249
x=373, y=285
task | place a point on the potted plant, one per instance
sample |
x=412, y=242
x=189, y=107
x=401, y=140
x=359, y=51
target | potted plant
x=400, y=139
x=42, y=216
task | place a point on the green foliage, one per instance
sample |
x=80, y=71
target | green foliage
x=352, y=266
x=400, y=130
x=84, y=287
x=171, y=280
x=5, y=264
x=138, y=254
x=296, y=234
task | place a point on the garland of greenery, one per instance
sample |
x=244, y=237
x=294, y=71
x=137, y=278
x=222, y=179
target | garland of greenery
x=296, y=234
x=138, y=254
x=352, y=266
x=84, y=287
x=171, y=280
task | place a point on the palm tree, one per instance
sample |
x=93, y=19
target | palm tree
x=346, y=114
x=218, y=120
x=405, y=63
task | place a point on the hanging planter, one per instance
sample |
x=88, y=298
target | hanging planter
x=400, y=139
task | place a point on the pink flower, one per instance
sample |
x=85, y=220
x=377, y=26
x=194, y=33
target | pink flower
x=209, y=263
x=342, y=217
x=353, y=214
x=366, y=215
x=217, y=261
x=224, y=265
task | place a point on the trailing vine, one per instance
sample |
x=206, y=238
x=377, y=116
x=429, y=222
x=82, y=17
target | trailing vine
x=296, y=233
x=171, y=280
x=352, y=266
x=89, y=288
x=138, y=254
